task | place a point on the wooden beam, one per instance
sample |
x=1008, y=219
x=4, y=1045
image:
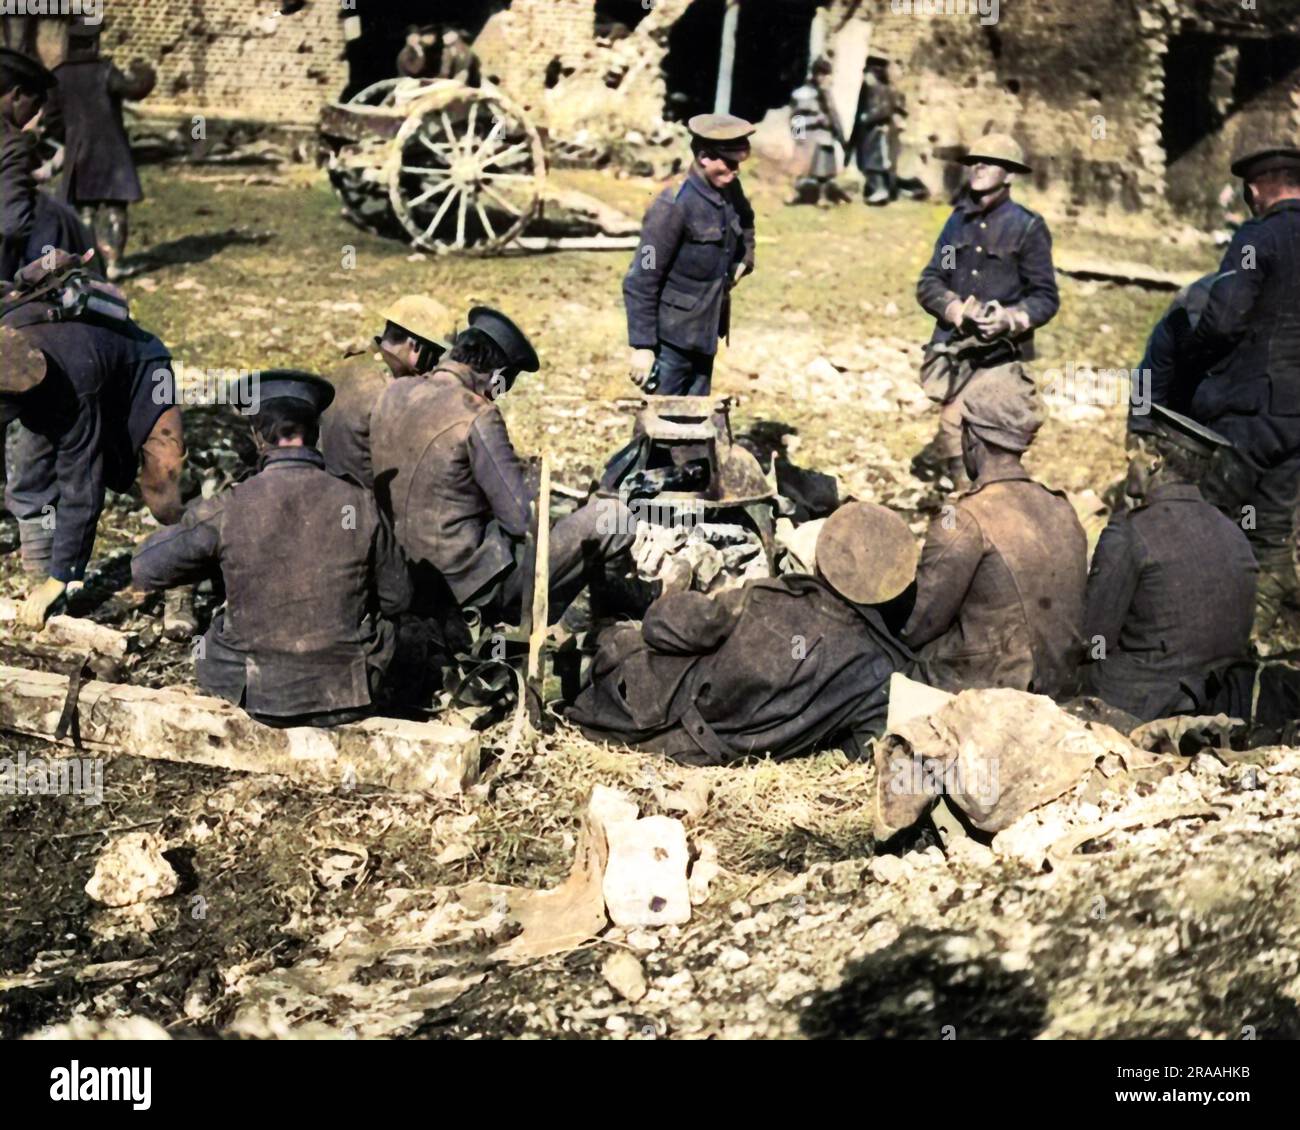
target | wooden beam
x=73, y=634
x=727, y=58
x=175, y=724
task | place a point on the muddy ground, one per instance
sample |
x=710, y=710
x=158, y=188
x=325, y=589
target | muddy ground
x=1186, y=925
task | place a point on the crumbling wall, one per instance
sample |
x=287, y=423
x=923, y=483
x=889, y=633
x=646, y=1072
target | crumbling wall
x=234, y=58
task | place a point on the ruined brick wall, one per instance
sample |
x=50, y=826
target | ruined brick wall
x=233, y=58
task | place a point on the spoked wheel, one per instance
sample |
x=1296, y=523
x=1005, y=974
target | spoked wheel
x=382, y=93
x=466, y=176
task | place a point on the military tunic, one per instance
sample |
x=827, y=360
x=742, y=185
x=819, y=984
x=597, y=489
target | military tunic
x=97, y=165
x=345, y=427
x=777, y=667
x=1171, y=597
x=1000, y=589
x=84, y=426
x=313, y=578
x=18, y=196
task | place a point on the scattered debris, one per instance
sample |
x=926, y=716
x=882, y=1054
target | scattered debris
x=645, y=877
x=132, y=870
x=625, y=975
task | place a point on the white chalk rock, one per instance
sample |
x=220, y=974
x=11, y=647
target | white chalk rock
x=645, y=878
x=132, y=870
x=625, y=976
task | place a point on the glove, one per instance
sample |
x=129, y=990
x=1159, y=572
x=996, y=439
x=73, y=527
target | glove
x=33, y=611
x=640, y=364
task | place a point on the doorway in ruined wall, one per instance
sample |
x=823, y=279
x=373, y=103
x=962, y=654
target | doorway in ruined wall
x=771, y=56
x=373, y=56
x=1209, y=77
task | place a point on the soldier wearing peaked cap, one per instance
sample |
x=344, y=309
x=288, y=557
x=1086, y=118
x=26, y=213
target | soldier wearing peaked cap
x=417, y=333
x=776, y=667
x=989, y=284
x=1171, y=592
x=1246, y=344
x=447, y=473
x=874, y=137
x=697, y=242
x=313, y=576
x=1001, y=581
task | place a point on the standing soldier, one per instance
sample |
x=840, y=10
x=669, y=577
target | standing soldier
x=416, y=334
x=816, y=128
x=697, y=242
x=1247, y=344
x=873, y=140
x=99, y=177
x=989, y=284
x=24, y=87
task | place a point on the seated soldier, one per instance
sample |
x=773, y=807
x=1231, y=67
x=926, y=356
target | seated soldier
x=776, y=667
x=25, y=86
x=447, y=473
x=1171, y=595
x=101, y=417
x=1002, y=576
x=416, y=333
x=313, y=576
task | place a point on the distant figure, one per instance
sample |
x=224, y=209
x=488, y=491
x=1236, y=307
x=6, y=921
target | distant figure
x=431, y=55
x=817, y=130
x=1171, y=594
x=874, y=138
x=99, y=177
x=1000, y=587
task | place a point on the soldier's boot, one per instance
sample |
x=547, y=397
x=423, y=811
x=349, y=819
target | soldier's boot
x=179, y=622
x=112, y=244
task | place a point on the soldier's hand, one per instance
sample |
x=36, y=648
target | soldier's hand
x=742, y=269
x=33, y=611
x=34, y=126
x=995, y=323
x=639, y=365
x=954, y=312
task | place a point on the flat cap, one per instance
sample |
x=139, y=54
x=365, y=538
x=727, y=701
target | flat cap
x=422, y=317
x=513, y=341
x=293, y=384
x=1002, y=407
x=22, y=368
x=15, y=67
x=1185, y=432
x=1266, y=161
x=866, y=553
x=997, y=149
x=722, y=131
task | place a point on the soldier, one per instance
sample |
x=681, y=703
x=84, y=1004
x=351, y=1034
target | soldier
x=874, y=140
x=816, y=127
x=313, y=576
x=1162, y=377
x=99, y=177
x=1160, y=620
x=1002, y=575
x=447, y=473
x=416, y=335
x=777, y=667
x=102, y=416
x=989, y=284
x=24, y=88
x=697, y=242
x=1246, y=344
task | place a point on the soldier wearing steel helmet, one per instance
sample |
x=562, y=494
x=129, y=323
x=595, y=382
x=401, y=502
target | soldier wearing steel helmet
x=697, y=242
x=313, y=577
x=777, y=667
x=417, y=334
x=989, y=285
